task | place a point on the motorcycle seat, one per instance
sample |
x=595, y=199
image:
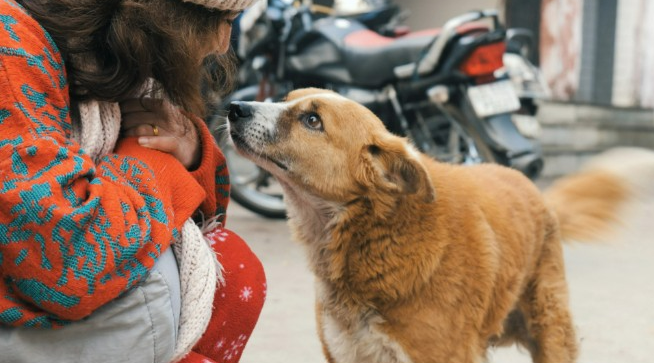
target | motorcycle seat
x=371, y=57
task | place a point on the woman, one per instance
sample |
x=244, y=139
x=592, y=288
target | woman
x=104, y=165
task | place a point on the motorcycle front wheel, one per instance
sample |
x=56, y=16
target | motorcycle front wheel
x=251, y=186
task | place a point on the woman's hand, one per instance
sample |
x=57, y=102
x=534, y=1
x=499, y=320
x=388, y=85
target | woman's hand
x=161, y=126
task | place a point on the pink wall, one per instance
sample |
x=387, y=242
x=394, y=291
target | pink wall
x=560, y=46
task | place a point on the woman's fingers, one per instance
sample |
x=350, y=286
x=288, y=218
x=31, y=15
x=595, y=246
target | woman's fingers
x=132, y=120
x=183, y=150
x=167, y=144
x=154, y=112
x=161, y=126
x=143, y=130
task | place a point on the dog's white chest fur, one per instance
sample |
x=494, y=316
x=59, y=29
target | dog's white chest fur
x=363, y=342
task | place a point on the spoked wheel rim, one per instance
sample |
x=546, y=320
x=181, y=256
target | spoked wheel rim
x=252, y=186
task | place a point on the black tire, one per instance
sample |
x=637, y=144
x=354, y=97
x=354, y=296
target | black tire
x=248, y=194
x=248, y=191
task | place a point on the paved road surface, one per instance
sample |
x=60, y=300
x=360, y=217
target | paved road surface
x=611, y=287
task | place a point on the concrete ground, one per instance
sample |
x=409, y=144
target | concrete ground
x=611, y=291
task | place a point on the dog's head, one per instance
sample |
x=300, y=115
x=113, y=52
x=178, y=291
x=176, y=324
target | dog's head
x=321, y=143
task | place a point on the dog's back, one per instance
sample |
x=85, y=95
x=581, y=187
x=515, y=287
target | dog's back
x=454, y=270
x=451, y=269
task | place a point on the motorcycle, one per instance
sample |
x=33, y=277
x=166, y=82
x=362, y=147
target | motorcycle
x=446, y=89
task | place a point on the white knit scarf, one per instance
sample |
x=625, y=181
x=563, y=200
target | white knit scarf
x=199, y=270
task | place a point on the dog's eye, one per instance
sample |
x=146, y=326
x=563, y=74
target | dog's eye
x=313, y=121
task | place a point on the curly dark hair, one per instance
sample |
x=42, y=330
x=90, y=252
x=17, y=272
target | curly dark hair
x=134, y=40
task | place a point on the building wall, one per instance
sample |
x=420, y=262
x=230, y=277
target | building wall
x=560, y=46
x=577, y=64
x=633, y=83
x=597, y=52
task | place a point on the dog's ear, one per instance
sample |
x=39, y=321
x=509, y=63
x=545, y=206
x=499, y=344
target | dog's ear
x=394, y=167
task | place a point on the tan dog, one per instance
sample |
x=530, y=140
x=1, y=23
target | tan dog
x=415, y=260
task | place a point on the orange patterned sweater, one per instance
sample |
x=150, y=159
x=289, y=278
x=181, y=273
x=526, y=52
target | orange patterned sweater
x=75, y=234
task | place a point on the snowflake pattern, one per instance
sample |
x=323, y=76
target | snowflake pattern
x=246, y=293
x=217, y=235
x=235, y=348
x=220, y=344
x=238, y=293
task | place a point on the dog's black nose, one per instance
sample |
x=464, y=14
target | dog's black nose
x=239, y=110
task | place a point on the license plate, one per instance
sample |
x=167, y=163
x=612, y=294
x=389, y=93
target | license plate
x=493, y=98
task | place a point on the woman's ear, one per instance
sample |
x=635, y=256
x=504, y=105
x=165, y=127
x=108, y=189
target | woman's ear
x=394, y=166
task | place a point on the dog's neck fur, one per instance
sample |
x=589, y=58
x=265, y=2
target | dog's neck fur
x=310, y=217
x=347, y=245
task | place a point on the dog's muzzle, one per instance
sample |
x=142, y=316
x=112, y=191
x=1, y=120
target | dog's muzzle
x=239, y=111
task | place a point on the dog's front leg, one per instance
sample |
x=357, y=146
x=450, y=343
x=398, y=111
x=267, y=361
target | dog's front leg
x=321, y=333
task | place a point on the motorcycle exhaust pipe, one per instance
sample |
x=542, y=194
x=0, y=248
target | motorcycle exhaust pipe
x=529, y=164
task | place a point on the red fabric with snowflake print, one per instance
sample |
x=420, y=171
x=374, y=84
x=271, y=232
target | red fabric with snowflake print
x=237, y=303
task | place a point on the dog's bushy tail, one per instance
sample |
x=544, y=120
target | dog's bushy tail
x=598, y=201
